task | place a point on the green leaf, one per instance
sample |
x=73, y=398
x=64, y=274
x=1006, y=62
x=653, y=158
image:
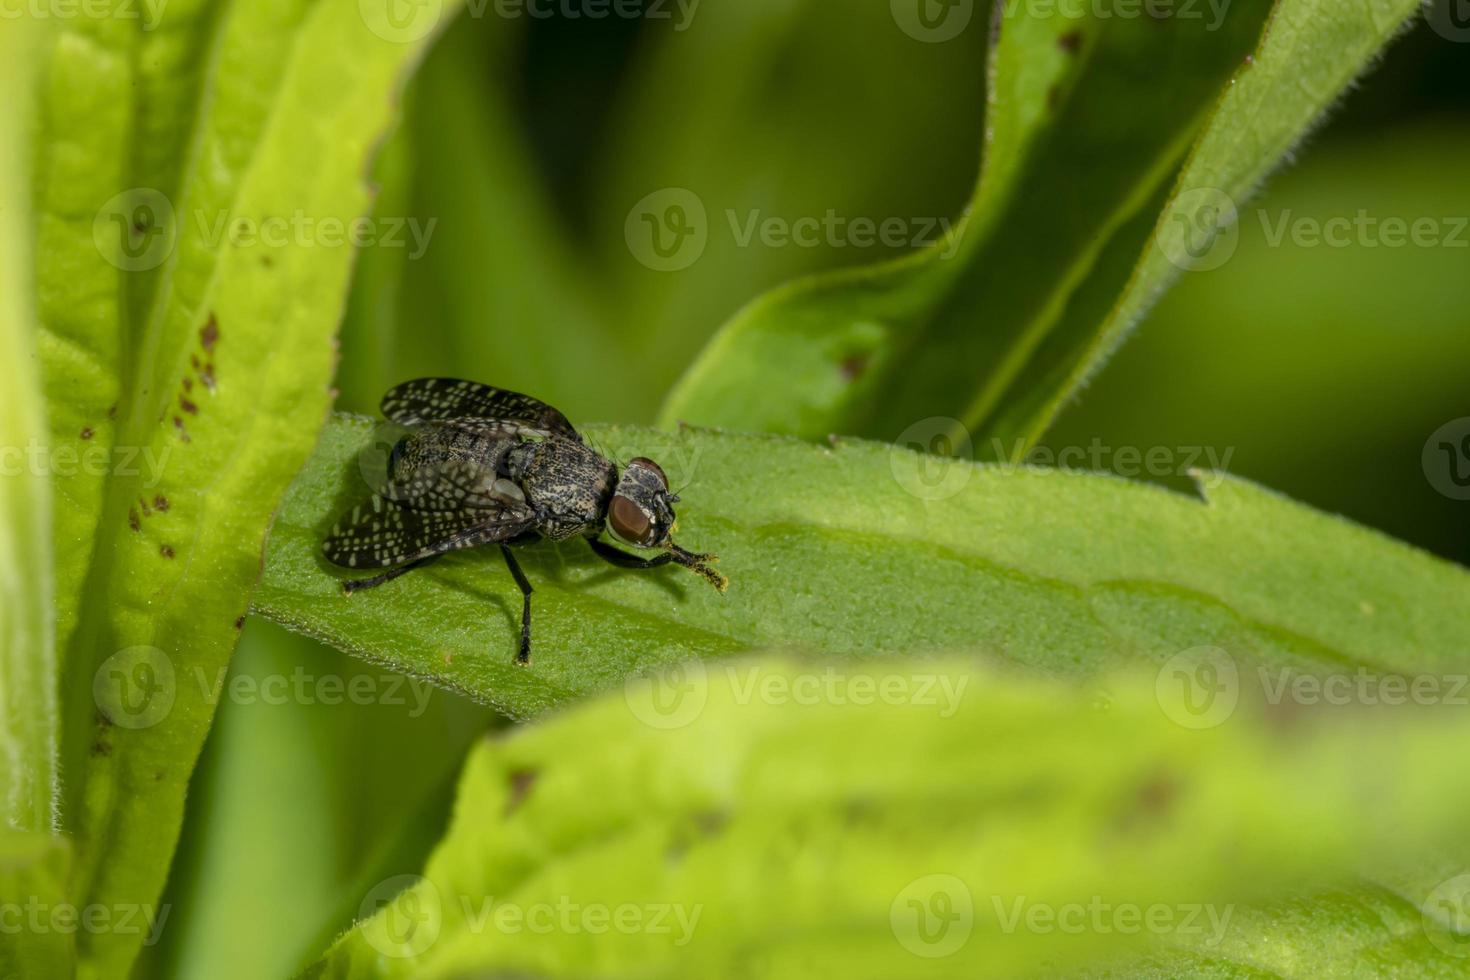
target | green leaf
x=863, y=549
x=30, y=725
x=928, y=819
x=993, y=333
x=282, y=773
x=187, y=311
x=1310, y=53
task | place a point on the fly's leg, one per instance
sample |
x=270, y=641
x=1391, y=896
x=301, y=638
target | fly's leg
x=357, y=585
x=622, y=559
x=523, y=656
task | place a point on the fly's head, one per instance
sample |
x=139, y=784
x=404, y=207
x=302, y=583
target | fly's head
x=641, y=514
x=642, y=510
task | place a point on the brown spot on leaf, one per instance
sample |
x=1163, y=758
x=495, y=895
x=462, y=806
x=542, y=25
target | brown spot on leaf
x=239, y=622
x=134, y=521
x=112, y=411
x=853, y=366
x=188, y=384
x=1157, y=795
x=100, y=747
x=1250, y=60
x=183, y=433
x=166, y=550
x=1070, y=42
x=86, y=432
x=194, y=361
x=207, y=376
x=188, y=406
x=209, y=333
x=521, y=782
x=160, y=502
x=143, y=506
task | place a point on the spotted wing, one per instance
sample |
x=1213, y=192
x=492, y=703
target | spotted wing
x=380, y=534
x=441, y=399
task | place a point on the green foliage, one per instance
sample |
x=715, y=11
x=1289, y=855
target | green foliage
x=1062, y=571
x=174, y=366
x=756, y=833
x=1058, y=255
x=191, y=357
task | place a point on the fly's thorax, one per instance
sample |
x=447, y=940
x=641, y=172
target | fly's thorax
x=566, y=482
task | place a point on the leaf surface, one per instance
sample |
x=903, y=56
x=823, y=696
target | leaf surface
x=860, y=549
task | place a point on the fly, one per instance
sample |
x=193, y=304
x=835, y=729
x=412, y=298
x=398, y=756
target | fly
x=481, y=465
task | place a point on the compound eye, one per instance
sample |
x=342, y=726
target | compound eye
x=628, y=521
x=649, y=464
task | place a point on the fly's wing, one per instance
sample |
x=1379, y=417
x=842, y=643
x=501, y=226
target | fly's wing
x=380, y=534
x=442, y=399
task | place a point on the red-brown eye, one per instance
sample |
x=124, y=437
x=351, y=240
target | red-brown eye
x=628, y=521
x=647, y=463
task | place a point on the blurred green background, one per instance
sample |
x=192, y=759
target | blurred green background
x=1320, y=370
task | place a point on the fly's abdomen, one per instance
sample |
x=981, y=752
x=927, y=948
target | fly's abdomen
x=449, y=467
